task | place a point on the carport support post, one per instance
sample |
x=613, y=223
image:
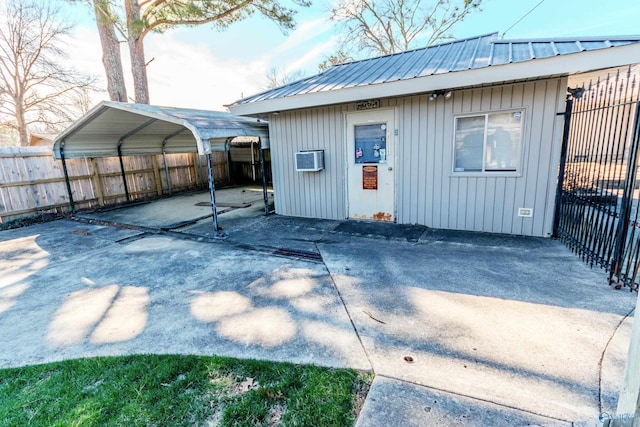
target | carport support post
x=166, y=171
x=212, y=193
x=200, y=170
x=66, y=178
x=124, y=175
x=265, y=194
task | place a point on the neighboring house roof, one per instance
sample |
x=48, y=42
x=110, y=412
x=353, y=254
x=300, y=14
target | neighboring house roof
x=138, y=129
x=41, y=139
x=462, y=63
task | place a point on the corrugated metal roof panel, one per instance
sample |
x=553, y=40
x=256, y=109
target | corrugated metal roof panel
x=391, y=69
x=145, y=129
x=542, y=50
x=430, y=66
x=451, y=55
x=366, y=73
x=521, y=52
x=500, y=54
x=482, y=53
x=565, y=48
x=468, y=54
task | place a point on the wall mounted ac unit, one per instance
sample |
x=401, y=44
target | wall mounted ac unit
x=310, y=161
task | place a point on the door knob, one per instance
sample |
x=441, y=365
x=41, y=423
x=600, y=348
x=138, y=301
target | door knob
x=390, y=168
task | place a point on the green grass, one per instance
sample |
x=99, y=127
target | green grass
x=153, y=390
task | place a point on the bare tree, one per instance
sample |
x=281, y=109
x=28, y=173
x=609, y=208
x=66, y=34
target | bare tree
x=381, y=27
x=276, y=78
x=340, y=57
x=35, y=88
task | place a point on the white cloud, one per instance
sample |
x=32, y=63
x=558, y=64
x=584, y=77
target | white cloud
x=181, y=74
x=305, y=32
x=313, y=57
x=189, y=75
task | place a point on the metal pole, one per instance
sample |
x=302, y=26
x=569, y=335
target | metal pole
x=265, y=194
x=563, y=163
x=228, y=150
x=124, y=175
x=66, y=177
x=166, y=171
x=200, y=170
x=212, y=193
x=164, y=158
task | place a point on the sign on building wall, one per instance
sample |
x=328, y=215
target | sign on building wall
x=369, y=104
x=370, y=177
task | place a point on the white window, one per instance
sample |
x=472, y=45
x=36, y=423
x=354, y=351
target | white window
x=488, y=143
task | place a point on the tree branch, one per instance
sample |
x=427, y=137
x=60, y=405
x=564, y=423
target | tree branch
x=172, y=22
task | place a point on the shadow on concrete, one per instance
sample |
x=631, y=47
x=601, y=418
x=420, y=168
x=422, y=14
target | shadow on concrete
x=88, y=293
x=516, y=322
x=522, y=325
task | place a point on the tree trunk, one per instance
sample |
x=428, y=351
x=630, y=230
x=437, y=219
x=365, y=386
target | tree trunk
x=111, y=58
x=21, y=123
x=136, y=51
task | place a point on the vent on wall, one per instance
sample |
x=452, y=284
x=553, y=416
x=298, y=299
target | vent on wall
x=310, y=161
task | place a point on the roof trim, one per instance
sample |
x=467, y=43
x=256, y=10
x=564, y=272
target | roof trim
x=539, y=68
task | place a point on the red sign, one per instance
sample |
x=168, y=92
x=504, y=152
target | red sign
x=370, y=177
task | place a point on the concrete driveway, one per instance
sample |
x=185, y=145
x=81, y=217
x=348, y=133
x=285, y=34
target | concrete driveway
x=460, y=328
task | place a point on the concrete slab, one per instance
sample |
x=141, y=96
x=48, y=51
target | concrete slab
x=183, y=209
x=158, y=294
x=517, y=328
x=523, y=325
x=399, y=403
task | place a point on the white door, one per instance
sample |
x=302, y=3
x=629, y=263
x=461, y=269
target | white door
x=370, y=162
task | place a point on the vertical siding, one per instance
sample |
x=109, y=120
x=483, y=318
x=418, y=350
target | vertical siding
x=426, y=190
x=480, y=203
x=309, y=194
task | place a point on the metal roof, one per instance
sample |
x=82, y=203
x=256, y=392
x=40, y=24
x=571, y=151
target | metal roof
x=139, y=129
x=470, y=54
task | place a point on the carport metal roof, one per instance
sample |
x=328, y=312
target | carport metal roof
x=117, y=129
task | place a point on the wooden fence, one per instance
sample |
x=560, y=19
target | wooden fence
x=32, y=181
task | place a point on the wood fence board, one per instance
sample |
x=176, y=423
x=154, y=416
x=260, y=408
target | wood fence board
x=31, y=180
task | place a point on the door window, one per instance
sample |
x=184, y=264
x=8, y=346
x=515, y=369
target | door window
x=370, y=143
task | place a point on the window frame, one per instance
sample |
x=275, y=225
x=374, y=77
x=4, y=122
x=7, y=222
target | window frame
x=489, y=173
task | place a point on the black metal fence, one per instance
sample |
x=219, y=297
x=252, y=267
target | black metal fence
x=597, y=204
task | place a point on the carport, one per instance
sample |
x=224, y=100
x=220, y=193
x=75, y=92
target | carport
x=116, y=129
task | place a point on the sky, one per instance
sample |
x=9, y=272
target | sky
x=200, y=67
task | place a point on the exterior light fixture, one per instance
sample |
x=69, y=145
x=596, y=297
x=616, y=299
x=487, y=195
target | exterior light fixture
x=576, y=92
x=446, y=93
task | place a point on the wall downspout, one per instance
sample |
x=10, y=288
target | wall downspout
x=66, y=177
